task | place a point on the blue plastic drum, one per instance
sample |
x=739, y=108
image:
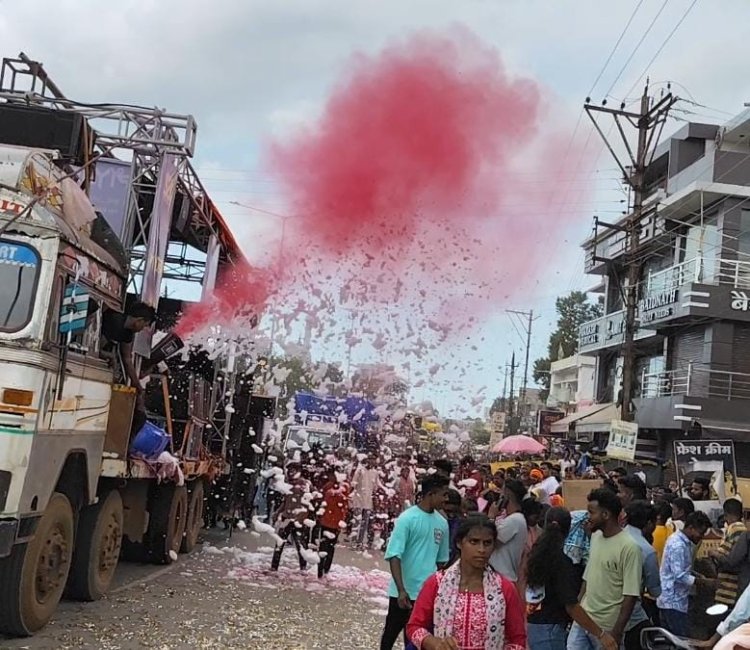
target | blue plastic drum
x=150, y=441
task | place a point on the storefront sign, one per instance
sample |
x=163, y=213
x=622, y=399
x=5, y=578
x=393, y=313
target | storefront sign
x=497, y=422
x=740, y=301
x=545, y=420
x=711, y=459
x=658, y=306
x=588, y=334
x=615, y=328
x=623, y=437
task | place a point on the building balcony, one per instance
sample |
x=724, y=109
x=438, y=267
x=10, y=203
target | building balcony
x=717, y=400
x=696, y=380
x=698, y=288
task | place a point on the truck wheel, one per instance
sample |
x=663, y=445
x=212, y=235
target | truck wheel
x=166, y=524
x=97, y=548
x=194, y=521
x=33, y=576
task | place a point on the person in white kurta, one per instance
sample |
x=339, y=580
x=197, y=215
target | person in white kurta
x=364, y=482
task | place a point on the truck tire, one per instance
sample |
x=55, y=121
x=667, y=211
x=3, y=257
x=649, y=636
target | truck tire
x=97, y=549
x=166, y=524
x=194, y=520
x=33, y=577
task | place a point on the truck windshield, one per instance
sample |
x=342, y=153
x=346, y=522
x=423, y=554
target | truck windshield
x=19, y=270
x=299, y=436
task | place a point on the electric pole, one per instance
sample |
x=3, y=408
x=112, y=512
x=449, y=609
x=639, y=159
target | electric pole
x=649, y=122
x=511, y=421
x=529, y=316
x=505, y=386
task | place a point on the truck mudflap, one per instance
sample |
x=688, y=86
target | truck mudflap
x=8, y=530
x=16, y=531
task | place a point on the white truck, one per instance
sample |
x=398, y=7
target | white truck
x=72, y=497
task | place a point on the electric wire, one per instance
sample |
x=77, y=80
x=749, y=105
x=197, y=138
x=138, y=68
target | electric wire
x=637, y=47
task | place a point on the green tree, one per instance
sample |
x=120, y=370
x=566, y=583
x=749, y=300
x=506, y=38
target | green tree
x=572, y=311
x=479, y=432
x=292, y=374
x=498, y=405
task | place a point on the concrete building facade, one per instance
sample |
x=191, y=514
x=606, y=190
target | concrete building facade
x=693, y=337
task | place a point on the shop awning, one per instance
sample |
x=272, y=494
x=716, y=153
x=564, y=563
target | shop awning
x=723, y=430
x=600, y=421
x=563, y=426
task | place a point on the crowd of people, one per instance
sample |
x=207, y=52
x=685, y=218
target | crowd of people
x=483, y=560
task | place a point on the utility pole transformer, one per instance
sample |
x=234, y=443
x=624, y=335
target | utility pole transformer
x=649, y=122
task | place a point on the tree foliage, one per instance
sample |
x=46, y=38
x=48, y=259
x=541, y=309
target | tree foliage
x=498, y=405
x=290, y=375
x=572, y=311
x=479, y=432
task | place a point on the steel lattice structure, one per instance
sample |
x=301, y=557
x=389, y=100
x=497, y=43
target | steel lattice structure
x=143, y=136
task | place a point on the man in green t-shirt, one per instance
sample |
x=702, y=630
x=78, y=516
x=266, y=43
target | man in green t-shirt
x=612, y=580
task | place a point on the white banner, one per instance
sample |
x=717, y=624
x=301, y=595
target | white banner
x=623, y=437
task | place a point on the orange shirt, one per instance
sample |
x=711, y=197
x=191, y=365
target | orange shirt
x=661, y=533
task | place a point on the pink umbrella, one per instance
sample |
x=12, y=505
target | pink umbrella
x=518, y=445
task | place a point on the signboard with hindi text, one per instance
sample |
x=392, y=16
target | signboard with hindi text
x=711, y=459
x=623, y=437
x=545, y=419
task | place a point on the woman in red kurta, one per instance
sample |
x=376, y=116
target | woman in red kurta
x=469, y=606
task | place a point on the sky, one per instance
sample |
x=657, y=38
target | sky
x=255, y=71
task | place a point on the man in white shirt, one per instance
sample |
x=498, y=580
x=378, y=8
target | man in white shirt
x=639, y=472
x=549, y=484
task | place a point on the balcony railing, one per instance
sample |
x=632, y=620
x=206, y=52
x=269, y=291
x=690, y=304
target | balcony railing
x=696, y=380
x=701, y=269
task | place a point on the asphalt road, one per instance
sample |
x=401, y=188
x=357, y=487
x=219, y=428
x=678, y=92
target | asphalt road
x=225, y=596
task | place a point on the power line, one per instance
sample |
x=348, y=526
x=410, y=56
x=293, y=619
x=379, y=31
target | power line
x=663, y=45
x=637, y=47
x=614, y=49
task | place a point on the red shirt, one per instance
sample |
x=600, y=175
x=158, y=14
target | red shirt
x=336, y=497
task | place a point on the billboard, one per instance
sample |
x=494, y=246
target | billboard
x=545, y=419
x=711, y=459
x=110, y=193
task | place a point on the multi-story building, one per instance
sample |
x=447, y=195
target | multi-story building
x=572, y=382
x=693, y=337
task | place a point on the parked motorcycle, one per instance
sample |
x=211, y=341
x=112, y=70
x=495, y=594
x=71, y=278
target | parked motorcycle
x=657, y=638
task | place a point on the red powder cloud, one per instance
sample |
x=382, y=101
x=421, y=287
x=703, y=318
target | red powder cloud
x=418, y=133
x=431, y=183
x=240, y=295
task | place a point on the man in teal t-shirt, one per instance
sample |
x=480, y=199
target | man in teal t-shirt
x=420, y=542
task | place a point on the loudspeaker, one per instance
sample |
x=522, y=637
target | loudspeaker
x=45, y=128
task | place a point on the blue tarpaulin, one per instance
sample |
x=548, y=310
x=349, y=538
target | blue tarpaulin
x=328, y=408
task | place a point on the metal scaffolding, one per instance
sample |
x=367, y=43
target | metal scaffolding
x=141, y=136
x=145, y=138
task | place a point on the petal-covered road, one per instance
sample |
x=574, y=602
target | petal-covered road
x=225, y=596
